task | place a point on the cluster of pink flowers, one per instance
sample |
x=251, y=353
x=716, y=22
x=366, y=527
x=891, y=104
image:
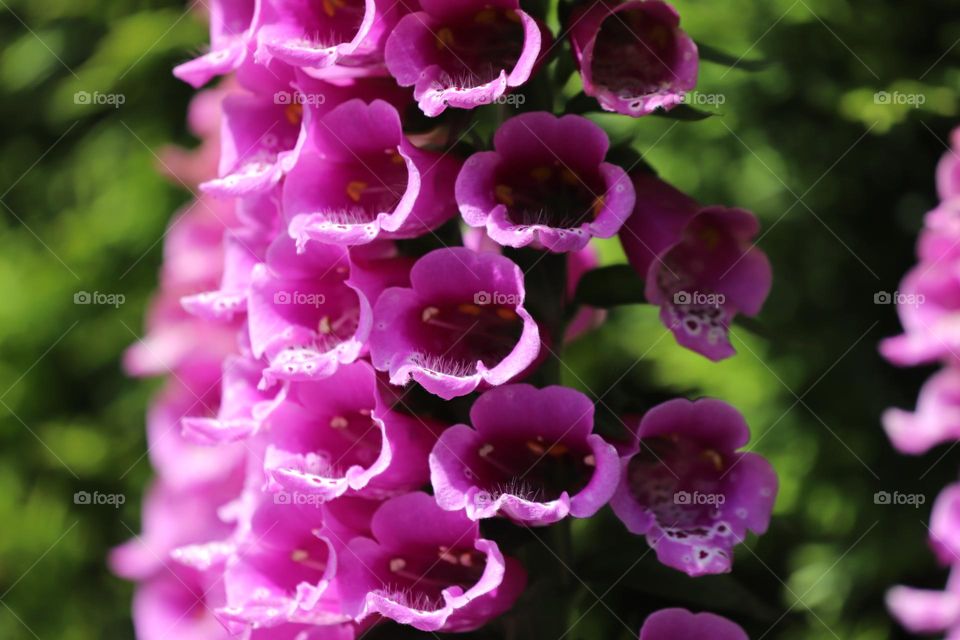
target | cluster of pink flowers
x=337, y=261
x=928, y=302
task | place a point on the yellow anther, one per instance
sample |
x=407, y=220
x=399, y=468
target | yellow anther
x=485, y=450
x=536, y=447
x=330, y=6
x=293, y=113
x=355, y=189
x=487, y=16
x=469, y=309
x=570, y=177
x=590, y=460
x=512, y=16
x=339, y=422
x=429, y=314
x=299, y=555
x=598, y=205
x=324, y=326
x=444, y=38
x=542, y=174
x=395, y=156
x=714, y=458
x=506, y=314
x=397, y=565
x=504, y=194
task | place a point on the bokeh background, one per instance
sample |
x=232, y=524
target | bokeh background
x=839, y=179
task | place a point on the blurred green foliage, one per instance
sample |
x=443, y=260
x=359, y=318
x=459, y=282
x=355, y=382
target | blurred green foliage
x=839, y=179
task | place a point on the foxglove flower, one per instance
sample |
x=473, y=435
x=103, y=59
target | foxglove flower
x=545, y=183
x=945, y=525
x=926, y=611
x=359, y=179
x=687, y=488
x=242, y=406
x=463, y=54
x=319, y=35
x=259, y=133
x=335, y=435
x=282, y=569
x=633, y=56
x=241, y=253
x=948, y=170
x=936, y=419
x=427, y=568
x=304, y=314
x=680, y=624
x=231, y=28
x=531, y=455
x=179, y=602
x=461, y=324
x=701, y=277
x=931, y=300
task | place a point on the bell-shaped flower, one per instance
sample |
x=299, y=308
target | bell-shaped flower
x=464, y=54
x=680, y=624
x=427, y=568
x=461, y=324
x=531, y=455
x=686, y=488
x=545, y=183
x=633, y=56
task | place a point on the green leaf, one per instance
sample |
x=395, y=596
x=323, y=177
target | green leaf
x=610, y=287
x=716, y=56
x=684, y=112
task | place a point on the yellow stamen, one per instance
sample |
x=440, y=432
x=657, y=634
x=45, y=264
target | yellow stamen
x=590, y=460
x=355, y=189
x=506, y=314
x=714, y=458
x=598, y=205
x=542, y=174
x=397, y=565
x=504, y=194
x=469, y=309
x=324, y=326
x=487, y=16
x=339, y=422
x=429, y=314
x=299, y=555
x=293, y=113
x=570, y=177
x=444, y=38
x=485, y=450
x=330, y=6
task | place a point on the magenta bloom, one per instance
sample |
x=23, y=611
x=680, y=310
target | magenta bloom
x=241, y=410
x=680, y=624
x=335, y=435
x=231, y=28
x=258, y=132
x=282, y=568
x=930, y=300
x=926, y=611
x=545, y=183
x=700, y=265
x=360, y=179
x=945, y=525
x=948, y=170
x=304, y=314
x=531, y=456
x=463, y=54
x=460, y=324
x=318, y=35
x=687, y=489
x=427, y=568
x=179, y=603
x=633, y=56
x=241, y=253
x=936, y=419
